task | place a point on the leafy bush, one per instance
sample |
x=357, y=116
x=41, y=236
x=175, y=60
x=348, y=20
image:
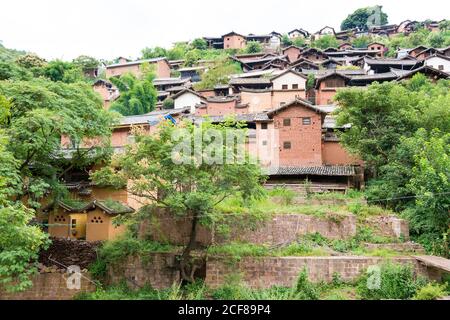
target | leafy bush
x=117, y=250
x=235, y=290
x=397, y=281
x=431, y=291
x=306, y=289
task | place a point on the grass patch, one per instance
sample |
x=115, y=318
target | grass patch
x=195, y=291
x=76, y=204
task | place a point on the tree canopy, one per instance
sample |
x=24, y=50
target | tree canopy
x=137, y=95
x=326, y=41
x=218, y=74
x=363, y=18
x=401, y=131
x=253, y=47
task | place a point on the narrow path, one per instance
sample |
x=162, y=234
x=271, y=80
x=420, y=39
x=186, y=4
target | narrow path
x=436, y=262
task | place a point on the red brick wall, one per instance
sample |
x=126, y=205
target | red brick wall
x=306, y=140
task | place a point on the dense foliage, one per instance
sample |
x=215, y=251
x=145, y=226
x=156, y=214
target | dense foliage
x=401, y=131
x=40, y=103
x=363, y=18
x=137, y=95
x=326, y=41
x=219, y=73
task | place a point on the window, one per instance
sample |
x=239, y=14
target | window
x=286, y=145
x=74, y=223
x=441, y=67
x=264, y=143
x=306, y=121
x=284, y=87
x=264, y=126
x=295, y=86
x=287, y=122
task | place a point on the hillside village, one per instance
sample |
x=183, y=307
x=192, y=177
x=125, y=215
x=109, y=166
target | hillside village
x=284, y=88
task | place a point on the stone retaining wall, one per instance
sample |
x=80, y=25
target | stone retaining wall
x=281, y=228
x=158, y=270
x=288, y=227
x=398, y=247
x=283, y=271
x=389, y=226
x=50, y=286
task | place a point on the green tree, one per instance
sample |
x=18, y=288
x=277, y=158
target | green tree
x=430, y=184
x=86, y=63
x=137, y=96
x=299, y=42
x=192, y=57
x=40, y=112
x=361, y=18
x=218, y=74
x=253, y=47
x=31, y=61
x=192, y=188
x=361, y=42
x=400, y=131
x=444, y=25
x=11, y=71
x=178, y=51
x=326, y=41
x=286, y=41
x=20, y=242
x=200, y=44
x=151, y=53
x=67, y=72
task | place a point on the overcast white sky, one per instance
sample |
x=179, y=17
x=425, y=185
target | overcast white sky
x=110, y=28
